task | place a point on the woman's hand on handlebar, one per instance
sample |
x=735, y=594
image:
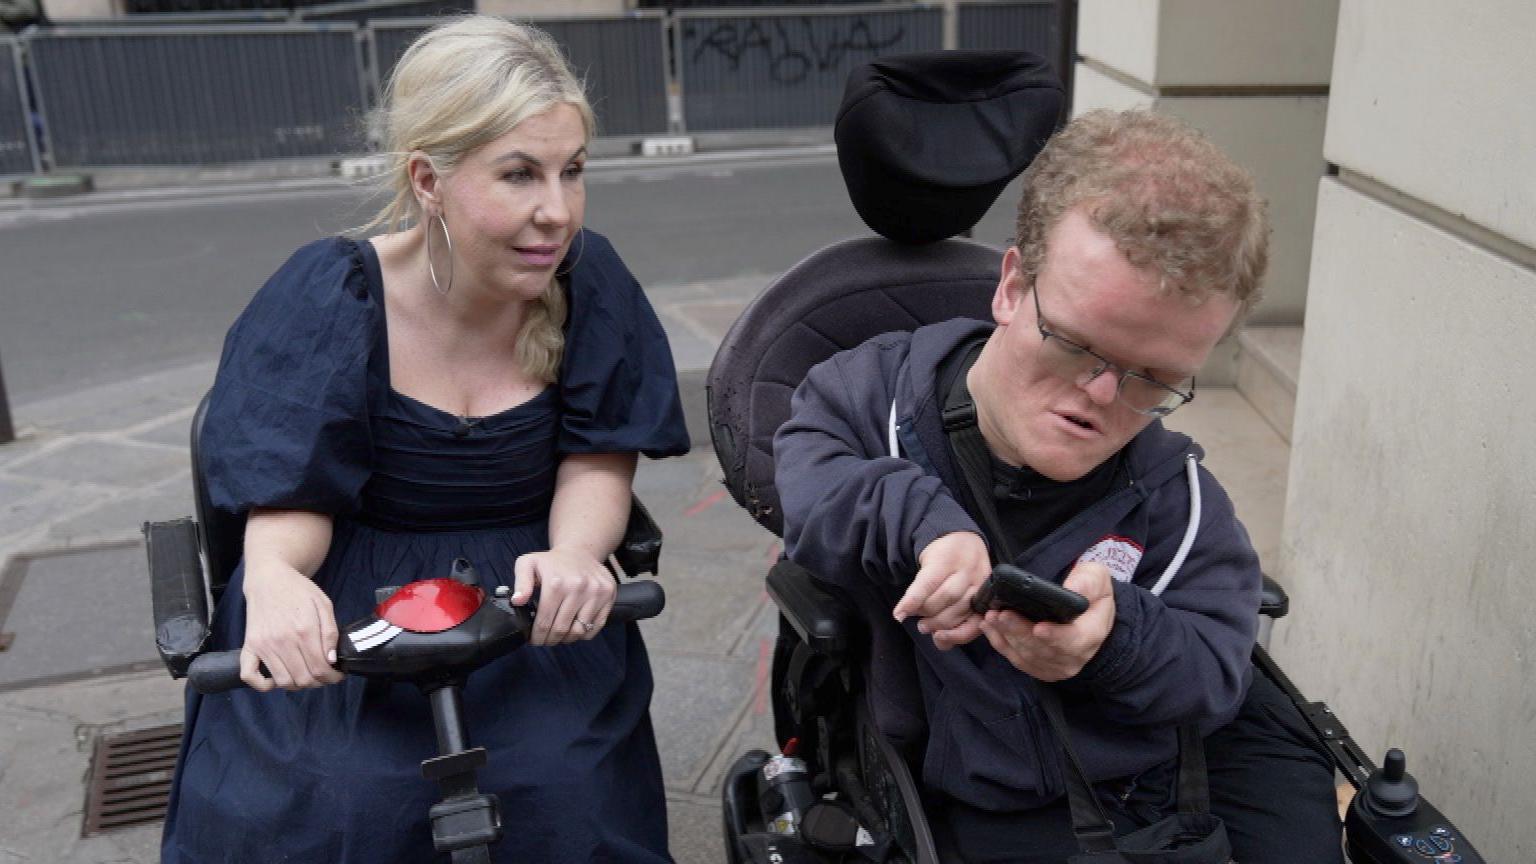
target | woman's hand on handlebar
x=290, y=627
x=575, y=594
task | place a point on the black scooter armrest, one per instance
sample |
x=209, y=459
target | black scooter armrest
x=177, y=593
x=1273, y=601
x=640, y=549
x=825, y=621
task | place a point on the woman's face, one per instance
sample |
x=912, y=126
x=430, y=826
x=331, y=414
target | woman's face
x=514, y=205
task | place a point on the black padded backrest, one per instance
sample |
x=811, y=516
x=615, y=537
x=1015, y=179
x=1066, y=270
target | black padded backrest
x=221, y=534
x=835, y=299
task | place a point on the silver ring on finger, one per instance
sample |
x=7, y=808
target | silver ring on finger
x=586, y=626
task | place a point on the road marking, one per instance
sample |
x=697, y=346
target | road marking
x=712, y=500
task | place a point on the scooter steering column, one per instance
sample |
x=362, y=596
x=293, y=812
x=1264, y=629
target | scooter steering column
x=466, y=822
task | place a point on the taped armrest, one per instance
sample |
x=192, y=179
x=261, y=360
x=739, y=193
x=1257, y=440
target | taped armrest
x=177, y=593
x=1273, y=600
x=822, y=619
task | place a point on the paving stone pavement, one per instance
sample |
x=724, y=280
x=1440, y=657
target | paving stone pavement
x=90, y=467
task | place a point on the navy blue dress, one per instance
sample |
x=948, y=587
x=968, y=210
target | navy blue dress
x=302, y=416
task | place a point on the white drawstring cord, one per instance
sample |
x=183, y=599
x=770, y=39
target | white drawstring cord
x=1192, y=469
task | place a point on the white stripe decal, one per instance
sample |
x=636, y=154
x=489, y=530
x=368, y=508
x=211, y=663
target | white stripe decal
x=377, y=627
x=375, y=641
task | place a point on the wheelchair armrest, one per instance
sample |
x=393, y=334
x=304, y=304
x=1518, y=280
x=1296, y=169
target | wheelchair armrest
x=1273, y=601
x=640, y=549
x=823, y=620
x=176, y=593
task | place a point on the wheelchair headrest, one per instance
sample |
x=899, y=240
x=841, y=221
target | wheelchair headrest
x=927, y=142
x=835, y=299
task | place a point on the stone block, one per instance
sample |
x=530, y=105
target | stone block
x=1406, y=547
x=693, y=829
x=80, y=612
x=113, y=407
x=109, y=463
x=1212, y=43
x=1093, y=90
x=174, y=431
x=694, y=710
x=69, y=10
x=29, y=515
x=710, y=603
x=26, y=443
x=753, y=732
x=1121, y=34
x=1433, y=99
x=123, y=516
x=1268, y=365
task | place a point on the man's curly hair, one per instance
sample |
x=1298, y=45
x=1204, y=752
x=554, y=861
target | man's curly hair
x=1173, y=203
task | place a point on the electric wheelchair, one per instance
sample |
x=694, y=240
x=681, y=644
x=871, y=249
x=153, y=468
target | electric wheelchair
x=862, y=740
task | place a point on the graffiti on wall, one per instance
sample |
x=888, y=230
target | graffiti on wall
x=793, y=48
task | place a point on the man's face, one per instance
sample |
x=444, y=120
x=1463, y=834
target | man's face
x=1088, y=293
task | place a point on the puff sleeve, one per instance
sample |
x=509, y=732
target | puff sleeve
x=287, y=420
x=618, y=388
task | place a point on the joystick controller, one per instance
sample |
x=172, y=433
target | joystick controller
x=1388, y=823
x=1391, y=792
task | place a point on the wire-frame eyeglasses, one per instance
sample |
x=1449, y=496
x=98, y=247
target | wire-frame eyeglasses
x=1079, y=364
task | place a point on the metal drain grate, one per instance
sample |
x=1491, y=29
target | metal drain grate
x=130, y=778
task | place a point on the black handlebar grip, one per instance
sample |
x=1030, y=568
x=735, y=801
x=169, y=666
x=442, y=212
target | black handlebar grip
x=642, y=598
x=215, y=672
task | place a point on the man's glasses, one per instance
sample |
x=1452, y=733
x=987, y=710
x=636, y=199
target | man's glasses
x=1078, y=364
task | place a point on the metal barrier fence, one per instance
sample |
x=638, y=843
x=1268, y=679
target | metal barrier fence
x=169, y=94
x=198, y=94
x=139, y=8
x=136, y=8
x=786, y=68
x=156, y=19
x=1034, y=25
x=363, y=11
x=622, y=60
x=17, y=155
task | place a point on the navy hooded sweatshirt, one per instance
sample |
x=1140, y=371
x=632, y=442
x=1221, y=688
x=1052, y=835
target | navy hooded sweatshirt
x=858, y=518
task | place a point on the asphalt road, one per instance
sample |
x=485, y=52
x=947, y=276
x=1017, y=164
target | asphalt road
x=98, y=291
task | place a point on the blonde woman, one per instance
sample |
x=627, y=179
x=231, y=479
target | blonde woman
x=476, y=381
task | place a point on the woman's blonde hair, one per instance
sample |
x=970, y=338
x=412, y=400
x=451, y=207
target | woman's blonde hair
x=461, y=85
x=1173, y=203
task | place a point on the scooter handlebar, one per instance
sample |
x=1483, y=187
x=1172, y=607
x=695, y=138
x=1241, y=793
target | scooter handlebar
x=215, y=672
x=219, y=671
x=642, y=598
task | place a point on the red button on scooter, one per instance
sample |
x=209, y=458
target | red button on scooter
x=431, y=605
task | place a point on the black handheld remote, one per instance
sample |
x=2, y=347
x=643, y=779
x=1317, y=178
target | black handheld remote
x=1030, y=596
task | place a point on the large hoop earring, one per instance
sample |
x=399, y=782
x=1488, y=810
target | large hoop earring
x=581, y=233
x=432, y=271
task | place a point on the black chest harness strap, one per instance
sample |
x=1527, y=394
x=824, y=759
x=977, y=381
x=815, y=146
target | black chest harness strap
x=1094, y=832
